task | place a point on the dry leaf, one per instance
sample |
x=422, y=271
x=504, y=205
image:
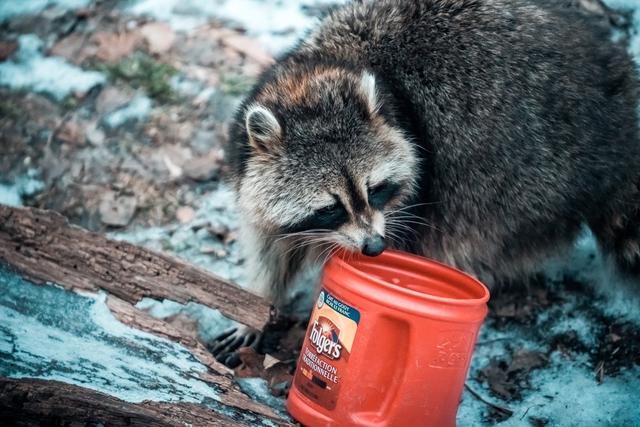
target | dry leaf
x=74, y=48
x=71, y=133
x=252, y=362
x=248, y=47
x=506, y=379
x=158, y=36
x=279, y=378
x=7, y=48
x=269, y=361
x=112, y=47
x=525, y=360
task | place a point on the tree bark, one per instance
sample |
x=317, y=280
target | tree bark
x=30, y=402
x=45, y=248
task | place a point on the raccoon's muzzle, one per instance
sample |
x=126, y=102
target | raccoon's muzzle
x=373, y=245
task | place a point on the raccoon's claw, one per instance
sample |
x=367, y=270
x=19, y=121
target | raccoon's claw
x=225, y=346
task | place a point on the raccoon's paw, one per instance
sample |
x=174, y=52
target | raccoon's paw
x=225, y=346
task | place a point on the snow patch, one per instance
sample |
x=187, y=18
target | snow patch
x=29, y=69
x=567, y=395
x=564, y=396
x=13, y=8
x=276, y=24
x=27, y=185
x=258, y=390
x=587, y=265
x=210, y=322
x=632, y=7
x=136, y=110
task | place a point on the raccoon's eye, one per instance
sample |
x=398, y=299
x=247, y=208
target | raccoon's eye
x=380, y=195
x=330, y=217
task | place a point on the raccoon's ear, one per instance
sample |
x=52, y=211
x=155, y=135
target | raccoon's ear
x=263, y=128
x=370, y=92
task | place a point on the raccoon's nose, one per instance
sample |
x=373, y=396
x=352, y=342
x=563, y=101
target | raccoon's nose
x=374, y=245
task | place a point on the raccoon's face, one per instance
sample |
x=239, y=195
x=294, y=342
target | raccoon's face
x=324, y=164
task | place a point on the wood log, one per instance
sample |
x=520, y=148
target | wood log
x=30, y=402
x=128, y=314
x=97, y=331
x=232, y=396
x=44, y=247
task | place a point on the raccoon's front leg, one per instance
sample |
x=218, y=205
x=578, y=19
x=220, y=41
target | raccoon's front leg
x=617, y=229
x=271, y=263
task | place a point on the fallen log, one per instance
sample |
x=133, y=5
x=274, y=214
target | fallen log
x=45, y=248
x=30, y=402
x=41, y=246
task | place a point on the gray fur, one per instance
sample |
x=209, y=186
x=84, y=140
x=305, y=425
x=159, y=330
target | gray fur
x=516, y=123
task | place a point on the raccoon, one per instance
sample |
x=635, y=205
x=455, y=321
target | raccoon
x=481, y=133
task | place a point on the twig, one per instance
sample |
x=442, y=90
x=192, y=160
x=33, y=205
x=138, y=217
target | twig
x=56, y=129
x=600, y=372
x=495, y=406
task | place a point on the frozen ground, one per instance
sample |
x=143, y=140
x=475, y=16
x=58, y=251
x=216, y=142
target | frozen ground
x=145, y=124
x=276, y=24
x=32, y=71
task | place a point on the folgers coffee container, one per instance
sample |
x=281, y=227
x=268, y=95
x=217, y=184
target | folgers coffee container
x=389, y=343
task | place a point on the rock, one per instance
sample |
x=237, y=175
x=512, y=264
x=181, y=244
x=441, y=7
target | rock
x=117, y=211
x=111, y=98
x=94, y=135
x=185, y=214
x=174, y=170
x=202, y=168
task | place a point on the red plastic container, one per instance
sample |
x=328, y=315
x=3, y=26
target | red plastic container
x=389, y=343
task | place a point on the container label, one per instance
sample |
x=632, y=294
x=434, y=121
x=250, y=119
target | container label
x=326, y=349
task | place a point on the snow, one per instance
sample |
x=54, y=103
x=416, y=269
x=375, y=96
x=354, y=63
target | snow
x=566, y=395
x=277, y=24
x=12, y=193
x=13, y=8
x=136, y=110
x=29, y=69
x=210, y=322
x=75, y=338
x=633, y=7
x=258, y=389
x=586, y=264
